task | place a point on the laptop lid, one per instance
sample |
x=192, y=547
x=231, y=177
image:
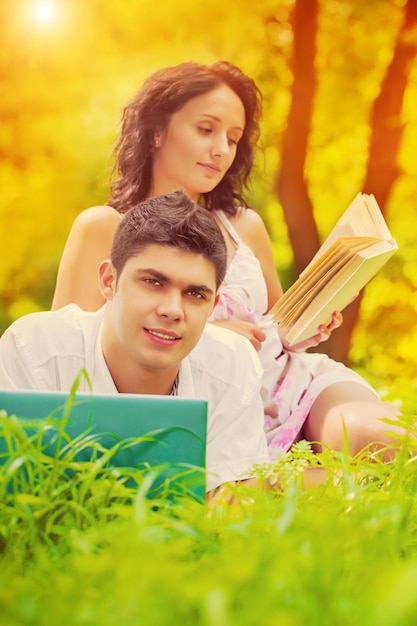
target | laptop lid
x=163, y=432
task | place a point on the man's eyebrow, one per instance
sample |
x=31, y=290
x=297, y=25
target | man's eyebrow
x=203, y=288
x=155, y=273
x=165, y=279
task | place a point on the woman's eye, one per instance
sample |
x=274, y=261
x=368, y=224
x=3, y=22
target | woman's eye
x=232, y=141
x=205, y=130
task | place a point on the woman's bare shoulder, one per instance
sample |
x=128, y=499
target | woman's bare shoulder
x=100, y=214
x=252, y=230
x=96, y=222
x=249, y=224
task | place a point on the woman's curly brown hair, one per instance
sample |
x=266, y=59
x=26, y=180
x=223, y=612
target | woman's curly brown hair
x=149, y=112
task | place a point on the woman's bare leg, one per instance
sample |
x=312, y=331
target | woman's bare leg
x=351, y=410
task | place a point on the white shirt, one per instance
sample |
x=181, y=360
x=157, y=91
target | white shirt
x=47, y=350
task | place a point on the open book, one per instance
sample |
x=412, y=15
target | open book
x=357, y=247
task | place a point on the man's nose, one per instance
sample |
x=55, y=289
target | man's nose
x=171, y=306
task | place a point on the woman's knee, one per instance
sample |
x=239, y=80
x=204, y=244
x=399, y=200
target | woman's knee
x=352, y=423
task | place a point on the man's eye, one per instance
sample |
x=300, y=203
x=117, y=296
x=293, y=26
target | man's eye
x=196, y=294
x=151, y=281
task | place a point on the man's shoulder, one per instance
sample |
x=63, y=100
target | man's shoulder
x=54, y=332
x=225, y=354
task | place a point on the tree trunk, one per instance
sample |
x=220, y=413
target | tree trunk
x=291, y=185
x=382, y=167
x=387, y=130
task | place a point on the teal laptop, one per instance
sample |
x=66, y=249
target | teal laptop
x=165, y=433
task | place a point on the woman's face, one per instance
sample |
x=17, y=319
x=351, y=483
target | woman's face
x=199, y=144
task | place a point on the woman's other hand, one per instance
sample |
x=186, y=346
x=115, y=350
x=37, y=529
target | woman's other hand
x=255, y=334
x=323, y=334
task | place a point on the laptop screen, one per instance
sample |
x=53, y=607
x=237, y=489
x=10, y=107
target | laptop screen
x=163, y=432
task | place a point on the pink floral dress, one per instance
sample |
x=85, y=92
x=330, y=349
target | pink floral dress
x=292, y=380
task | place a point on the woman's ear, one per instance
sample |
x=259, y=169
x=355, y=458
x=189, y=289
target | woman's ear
x=107, y=279
x=157, y=140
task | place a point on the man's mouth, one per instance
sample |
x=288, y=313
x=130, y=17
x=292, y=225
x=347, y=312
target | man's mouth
x=162, y=335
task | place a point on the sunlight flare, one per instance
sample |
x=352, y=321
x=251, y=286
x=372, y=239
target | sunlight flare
x=44, y=12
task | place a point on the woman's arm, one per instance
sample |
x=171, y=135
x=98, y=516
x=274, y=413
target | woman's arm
x=255, y=334
x=252, y=230
x=88, y=244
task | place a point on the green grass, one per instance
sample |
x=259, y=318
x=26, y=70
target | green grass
x=78, y=546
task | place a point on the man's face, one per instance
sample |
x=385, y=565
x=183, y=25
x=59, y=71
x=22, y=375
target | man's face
x=158, y=308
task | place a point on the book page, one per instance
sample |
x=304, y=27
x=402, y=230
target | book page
x=309, y=283
x=357, y=247
x=291, y=309
x=362, y=218
x=378, y=218
x=297, y=291
x=337, y=294
x=331, y=280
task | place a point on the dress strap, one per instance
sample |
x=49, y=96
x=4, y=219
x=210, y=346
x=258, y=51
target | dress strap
x=228, y=226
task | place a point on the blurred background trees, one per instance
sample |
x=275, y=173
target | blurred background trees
x=339, y=79
x=386, y=133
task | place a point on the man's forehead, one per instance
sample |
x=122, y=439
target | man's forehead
x=174, y=262
x=160, y=251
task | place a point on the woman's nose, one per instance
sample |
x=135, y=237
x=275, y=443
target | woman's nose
x=221, y=145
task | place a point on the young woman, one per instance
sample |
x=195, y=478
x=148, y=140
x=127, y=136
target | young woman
x=195, y=127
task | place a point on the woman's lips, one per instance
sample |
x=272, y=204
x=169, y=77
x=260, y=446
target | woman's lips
x=210, y=168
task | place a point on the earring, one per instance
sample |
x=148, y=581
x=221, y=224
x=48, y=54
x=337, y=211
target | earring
x=156, y=143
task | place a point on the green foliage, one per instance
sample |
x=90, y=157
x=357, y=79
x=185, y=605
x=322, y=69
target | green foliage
x=44, y=495
x=95, y=552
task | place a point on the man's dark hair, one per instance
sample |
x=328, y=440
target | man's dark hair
x=170, y=220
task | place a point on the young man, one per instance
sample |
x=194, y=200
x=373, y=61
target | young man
x=167, y=261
